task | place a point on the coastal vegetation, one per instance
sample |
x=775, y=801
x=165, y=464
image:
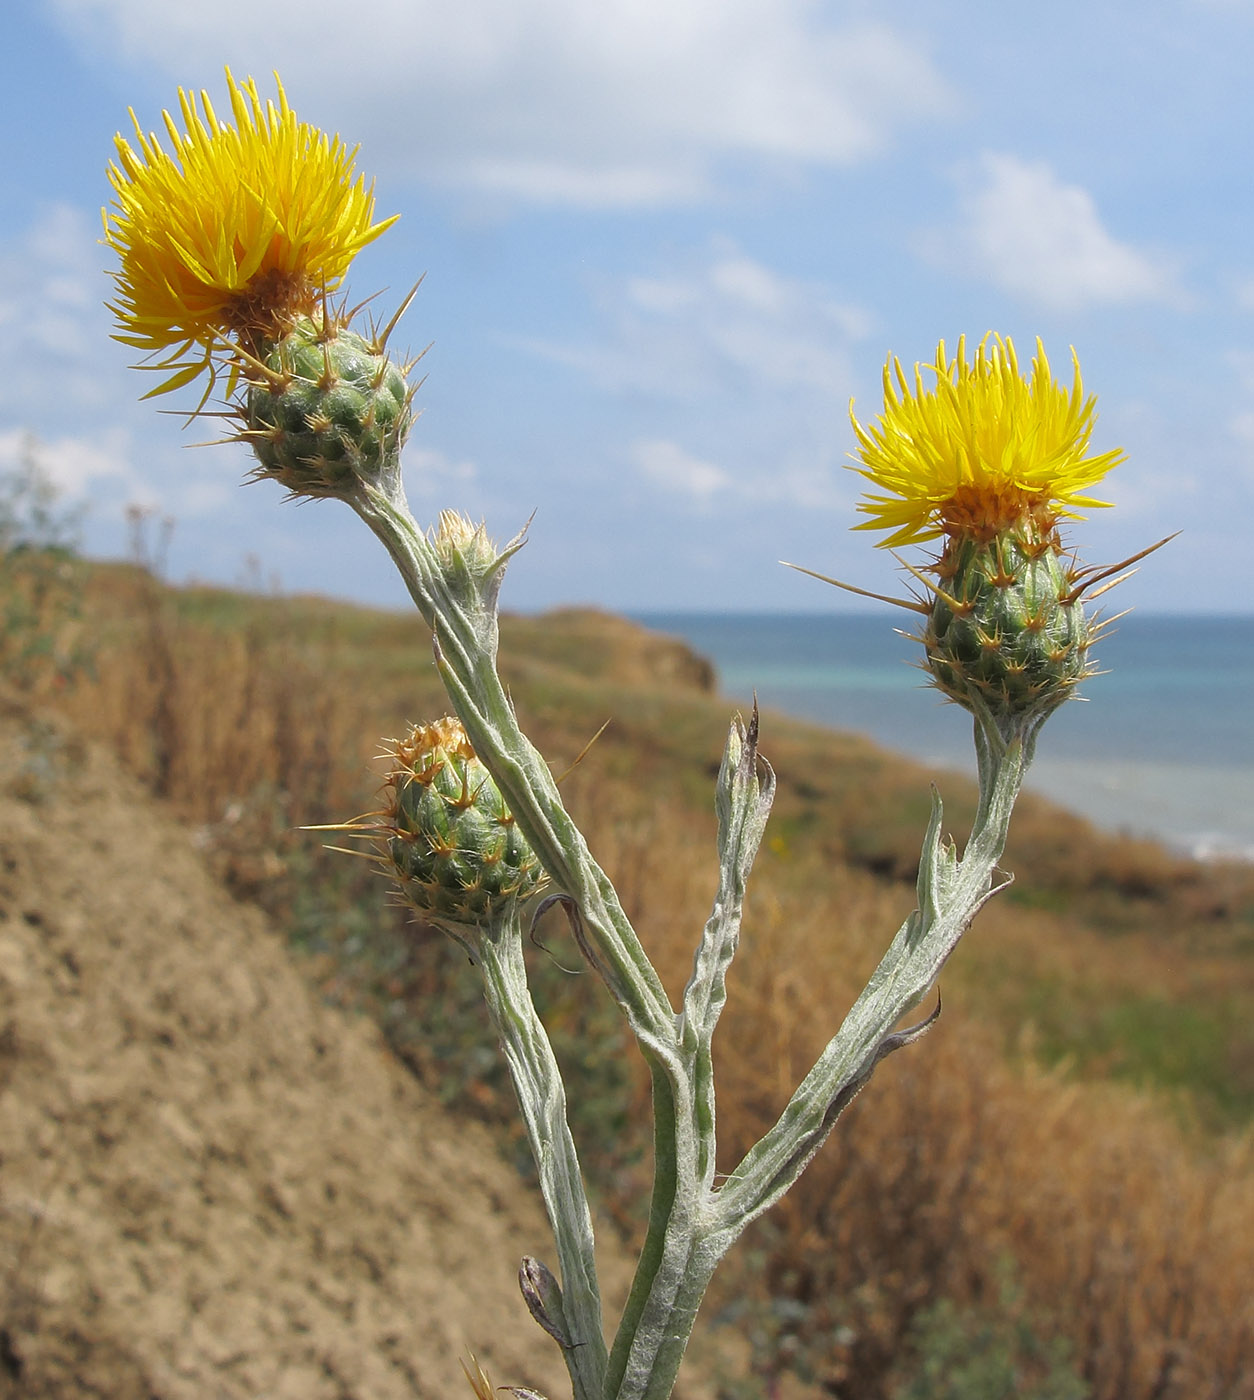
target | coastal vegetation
x=1058, y=1190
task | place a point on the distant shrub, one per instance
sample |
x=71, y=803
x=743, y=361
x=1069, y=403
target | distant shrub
x=41, y=581
x=986, y=1353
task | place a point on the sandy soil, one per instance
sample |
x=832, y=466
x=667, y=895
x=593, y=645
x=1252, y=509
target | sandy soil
x=211, y=1185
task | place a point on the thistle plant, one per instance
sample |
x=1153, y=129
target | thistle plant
x=230, y=249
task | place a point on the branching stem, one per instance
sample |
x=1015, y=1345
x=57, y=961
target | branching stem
x=692, y=1223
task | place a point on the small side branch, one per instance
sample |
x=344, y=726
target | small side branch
x=950, y=893
x=744, y=794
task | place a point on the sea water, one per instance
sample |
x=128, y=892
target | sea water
x=1161, y=745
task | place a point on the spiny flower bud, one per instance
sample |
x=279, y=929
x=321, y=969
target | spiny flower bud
x=470, y=562
x=457, y=537
x=1007, y=624
x=472, y=565
x=324, y=408
x=445, y=832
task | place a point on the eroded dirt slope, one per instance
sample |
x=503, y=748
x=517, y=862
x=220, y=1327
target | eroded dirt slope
x=210, y=1184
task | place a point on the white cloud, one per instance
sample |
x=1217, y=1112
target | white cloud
x=1043, y=241
x=630, y=102
x=1241, y=424
x=68, y=398
x=1242, y=362
x=73, y=465
x=728, y=324
x=64, y=392
x=55, y=354
x=801, y=484
x=747, y=367
x=553, y=182
x=669, y=466
x=429, y=472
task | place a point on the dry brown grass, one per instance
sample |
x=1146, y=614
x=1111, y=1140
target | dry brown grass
x=1130, y=1239
x=1129, y=1236
x=209, y=716
x=1136, y=1246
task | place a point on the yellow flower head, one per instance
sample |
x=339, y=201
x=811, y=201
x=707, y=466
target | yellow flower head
x=980, y=452
x=233, y=235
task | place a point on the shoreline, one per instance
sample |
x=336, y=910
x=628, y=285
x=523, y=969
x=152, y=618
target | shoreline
x=1164, y=752
x=1199, y=811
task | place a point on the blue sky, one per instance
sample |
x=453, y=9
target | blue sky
x=665, y=241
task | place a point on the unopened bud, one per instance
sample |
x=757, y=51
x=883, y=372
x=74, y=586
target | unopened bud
x=543, y=1295
x=326, y=409
x=446, y=833
x=1006, y=624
